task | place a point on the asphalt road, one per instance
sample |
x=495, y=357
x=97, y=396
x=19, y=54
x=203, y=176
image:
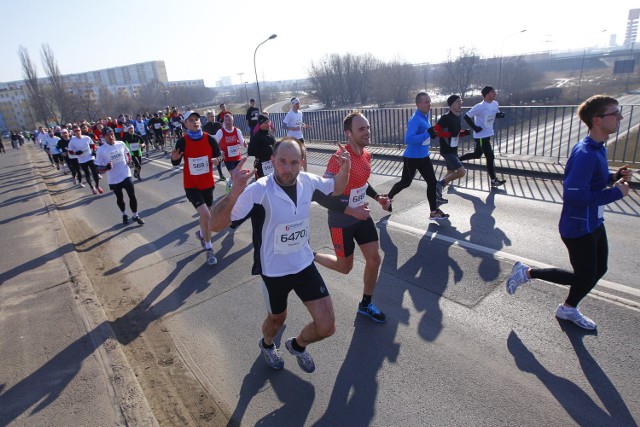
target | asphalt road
x=456, y=349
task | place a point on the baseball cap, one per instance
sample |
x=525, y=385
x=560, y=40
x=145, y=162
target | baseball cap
x=189, y=114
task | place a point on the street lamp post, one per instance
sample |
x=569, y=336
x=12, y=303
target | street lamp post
x=501, y=49
x=584, y=54
x=246, y=92
x=165, y=93
x=272, y=36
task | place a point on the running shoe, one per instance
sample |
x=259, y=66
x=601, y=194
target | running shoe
x=271, y=356
x=199, y=236
x=137, y=219
x=441, y=200
x=438, y=215
x=518, y=277
x=222, y=178
x=438, y=190
x=125, y=219
x=574, y=315
x=497, y=182
x=373, y=312
x=75, y=181
x=305, y=361
x=211, y=258
x=94, y=190
x=81, y=185
x=100, y=190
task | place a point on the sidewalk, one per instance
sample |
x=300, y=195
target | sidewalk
x=504, y=164
x=61, y=362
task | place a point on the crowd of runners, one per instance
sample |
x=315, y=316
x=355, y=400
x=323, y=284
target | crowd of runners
x=277, y=192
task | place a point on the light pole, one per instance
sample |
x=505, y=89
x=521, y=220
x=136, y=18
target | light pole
x=165, y=93
x=501, y=49
x=246, y=92
x=272, y=36
x=584, y=54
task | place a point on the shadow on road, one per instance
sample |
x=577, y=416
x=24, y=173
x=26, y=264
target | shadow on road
x=578, y=404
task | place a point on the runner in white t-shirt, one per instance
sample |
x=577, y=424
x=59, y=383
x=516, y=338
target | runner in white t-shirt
x=114, y=158
x=279, y=206
x=294, y=124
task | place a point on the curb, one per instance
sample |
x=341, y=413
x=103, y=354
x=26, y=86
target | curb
x=126, y=393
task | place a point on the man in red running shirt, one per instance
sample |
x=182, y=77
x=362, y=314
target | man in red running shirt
x=355, y=224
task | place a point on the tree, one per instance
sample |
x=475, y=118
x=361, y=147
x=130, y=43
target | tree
x=30, y=76
x=457, y=75
x=62, y=99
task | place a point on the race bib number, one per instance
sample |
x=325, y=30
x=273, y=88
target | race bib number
x=198, y=165
x=157, y=125
x=357, y=196
x=454, y=142
x=135, y=146
x=488, y=121
x=292, y=237
x=601, y=211
x=233, y=150
x=267, y=167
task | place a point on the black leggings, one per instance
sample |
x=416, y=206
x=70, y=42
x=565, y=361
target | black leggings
x=89, y=169
x=127, y=185
x=483, y=145
x=74, y=167
x=409, y=169
x=588, y=256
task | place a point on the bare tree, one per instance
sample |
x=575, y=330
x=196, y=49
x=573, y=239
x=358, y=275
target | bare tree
x=30, y=76
x=457, y=75
x=65, y=102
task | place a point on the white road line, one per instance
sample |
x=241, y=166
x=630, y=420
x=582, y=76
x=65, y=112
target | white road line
x=601, y=283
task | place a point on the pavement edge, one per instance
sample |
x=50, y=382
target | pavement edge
x=128, y=393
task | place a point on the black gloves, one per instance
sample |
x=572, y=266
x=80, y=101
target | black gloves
x=78, y=152
x=465, y=132
x=499, y=115
x=432, y=132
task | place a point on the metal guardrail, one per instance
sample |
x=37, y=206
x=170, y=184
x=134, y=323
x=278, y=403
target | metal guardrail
x=533, y=131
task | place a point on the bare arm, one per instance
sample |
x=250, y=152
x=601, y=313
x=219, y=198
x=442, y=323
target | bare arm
x=341, y=179
x=221, y=211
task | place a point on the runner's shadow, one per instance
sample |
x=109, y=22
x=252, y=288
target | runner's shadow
x=427, y=269
x=34, y=264
x=296, y=394
x=355, y=392
x=483, y=232
x=576, y=402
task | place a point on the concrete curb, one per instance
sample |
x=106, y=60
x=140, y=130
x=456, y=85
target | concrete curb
x=125, y=392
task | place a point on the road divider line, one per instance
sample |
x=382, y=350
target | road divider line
x=456, y=242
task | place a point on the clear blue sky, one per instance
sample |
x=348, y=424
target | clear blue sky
x=211, y=39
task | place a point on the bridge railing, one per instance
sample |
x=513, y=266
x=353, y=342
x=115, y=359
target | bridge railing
x=534, y=131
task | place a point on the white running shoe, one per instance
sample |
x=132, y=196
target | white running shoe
x=518, y=277
x=211, y=258
x=305, y=361
x=271, y=356
x=573, y=314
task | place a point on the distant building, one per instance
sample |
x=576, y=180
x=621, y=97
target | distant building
x=15, y=113
x=632, y=28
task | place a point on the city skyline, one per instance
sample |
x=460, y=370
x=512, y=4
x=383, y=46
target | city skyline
x=223, y=45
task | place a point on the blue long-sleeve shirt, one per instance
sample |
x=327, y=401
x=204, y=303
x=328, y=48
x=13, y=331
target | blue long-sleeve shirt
x=417, y=138
x=585, y=189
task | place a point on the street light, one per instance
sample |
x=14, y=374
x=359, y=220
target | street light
x=272, y=36
x=165, y=93
x=584, y=54
x=246, y=92
x=501, y=49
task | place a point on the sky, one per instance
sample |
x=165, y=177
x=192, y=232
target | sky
x=212, y=39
